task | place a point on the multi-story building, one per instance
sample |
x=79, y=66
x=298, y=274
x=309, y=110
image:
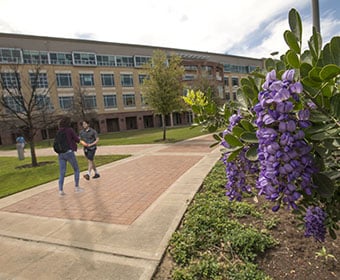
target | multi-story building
x=109, y=75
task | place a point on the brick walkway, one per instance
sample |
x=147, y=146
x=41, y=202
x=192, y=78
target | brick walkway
x=123, y=192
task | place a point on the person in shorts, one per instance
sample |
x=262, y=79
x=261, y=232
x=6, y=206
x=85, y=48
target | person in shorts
x=89, y=139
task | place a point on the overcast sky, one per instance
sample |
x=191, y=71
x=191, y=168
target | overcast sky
x=252, y=28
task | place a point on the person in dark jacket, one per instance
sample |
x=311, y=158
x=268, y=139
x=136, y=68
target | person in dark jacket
x=69, y=156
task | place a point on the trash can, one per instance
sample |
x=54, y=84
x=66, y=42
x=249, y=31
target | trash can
x=20, y=149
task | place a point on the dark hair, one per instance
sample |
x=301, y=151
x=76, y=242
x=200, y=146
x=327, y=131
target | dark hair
x=65, y=122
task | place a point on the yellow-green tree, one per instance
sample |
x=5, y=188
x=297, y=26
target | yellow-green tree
x=163, y=89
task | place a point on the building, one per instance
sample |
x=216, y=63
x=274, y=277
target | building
x=109, y=77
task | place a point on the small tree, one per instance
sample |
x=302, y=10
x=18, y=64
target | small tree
x=26, y=103
x=163, y=88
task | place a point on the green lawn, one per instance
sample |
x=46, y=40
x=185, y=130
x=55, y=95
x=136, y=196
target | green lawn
x=15, y=178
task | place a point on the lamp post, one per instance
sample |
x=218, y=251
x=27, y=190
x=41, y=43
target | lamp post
x=316, y=16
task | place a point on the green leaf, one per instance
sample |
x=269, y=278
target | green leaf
x=295, y=23
x=232, y=140
x=325, y=185
x=293, y=59
x=304, y=69
x=233, y=155
x=314, y=74
x=335, y=49
x=329, y=72
x=249, y=137
x=292, y=41
x=269, y=64
x=307, y=81
x=237, y=131
x=315, y=44
x=252, y=153
x=319, y=128
x=335, y=105
x=325, y=135
x=327, y=55
x=247, y=125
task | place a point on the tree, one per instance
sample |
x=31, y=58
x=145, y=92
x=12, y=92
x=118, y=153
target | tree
x=163, y=88
x=25, y=102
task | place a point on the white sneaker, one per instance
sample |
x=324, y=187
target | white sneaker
x=61, y=193
x=78, y=189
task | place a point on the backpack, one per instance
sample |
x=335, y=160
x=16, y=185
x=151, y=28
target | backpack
x=60, y=144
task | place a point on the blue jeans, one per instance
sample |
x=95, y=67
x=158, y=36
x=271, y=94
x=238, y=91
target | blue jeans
x=63, y=158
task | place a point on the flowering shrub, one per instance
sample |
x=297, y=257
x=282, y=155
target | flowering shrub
x=286, y=123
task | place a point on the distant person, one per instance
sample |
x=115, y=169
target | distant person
x=89, y=139
x=68, y=156
x=20, y=147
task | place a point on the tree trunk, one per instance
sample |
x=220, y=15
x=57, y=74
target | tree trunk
x=34, y=160
x=164, y=127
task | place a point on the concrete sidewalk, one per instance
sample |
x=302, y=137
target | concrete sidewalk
x=118, y=228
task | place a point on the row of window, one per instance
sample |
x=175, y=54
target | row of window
x=64, y=80
x=67, y=102
x=10, y=55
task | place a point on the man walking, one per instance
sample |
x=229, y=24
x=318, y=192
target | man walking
x=89, y=139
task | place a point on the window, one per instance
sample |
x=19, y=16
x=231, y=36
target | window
x=142, y=100
x=43, y=102
x=61, y=58
x=15, y=103
x=10, y=80
x=35, y=57
x=110, y=101
x=208, y=70
x=38, y=80
x=234, y=95
x=64, y=80
x=86, y=80
x=66, y=102
x=10, y=56
x=234, y=81
x=125, y=61
x=126, y=80
x=108, y=80
x=106, y=60
x=141, y=60
x=90, y=101
x=189, y=77
x=141, y=78
x=129, y=100
x=190, y=67
x=80, y=58
x=226, y=81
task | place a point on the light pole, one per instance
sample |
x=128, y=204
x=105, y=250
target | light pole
x=316, y=16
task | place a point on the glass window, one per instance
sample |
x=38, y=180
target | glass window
x=80, y=58
x=38, y=80
x=126, y=80
x=234, y=95
x=35, y=57
x=43, y=102
x=141, y=78
x=110, y=101
x=66, y=102
x=61, y=58
x=64, y=80
x=129, y=100
x=10, y=80
x=125, y=61
x=15, y=103
x=86, y=80
x=90, y=101
x=108, y=80
x=10, y=55
x=226, y=81
x=234, y=81
x=106, y=60
x=141, y=60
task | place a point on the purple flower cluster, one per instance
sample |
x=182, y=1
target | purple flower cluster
x=286, y=164
x=237, y=171
x=315, y=223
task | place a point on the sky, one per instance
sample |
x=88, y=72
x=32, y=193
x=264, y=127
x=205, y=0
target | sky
x=251, y=28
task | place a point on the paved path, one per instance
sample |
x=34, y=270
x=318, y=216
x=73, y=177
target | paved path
x=118, y=228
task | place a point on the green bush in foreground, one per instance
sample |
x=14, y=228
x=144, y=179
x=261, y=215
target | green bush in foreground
x=212, y=242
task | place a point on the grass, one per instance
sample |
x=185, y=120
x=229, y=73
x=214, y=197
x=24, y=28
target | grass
x=12, y=171
x=15, y=176
x=145, y=136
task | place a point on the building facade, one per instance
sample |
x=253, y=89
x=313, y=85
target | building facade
x=108, y=76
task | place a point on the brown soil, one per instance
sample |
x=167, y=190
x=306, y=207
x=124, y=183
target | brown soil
x=294, y=258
